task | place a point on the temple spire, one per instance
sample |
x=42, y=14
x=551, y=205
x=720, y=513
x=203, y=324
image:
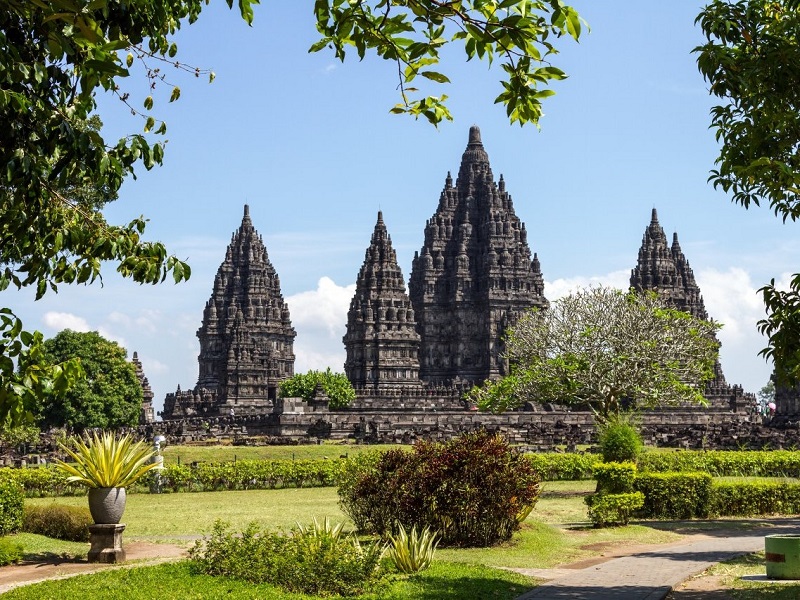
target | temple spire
x=381, y=342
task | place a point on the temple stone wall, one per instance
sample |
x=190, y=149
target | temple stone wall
x=539, y=430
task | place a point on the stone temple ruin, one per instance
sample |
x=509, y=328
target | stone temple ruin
x=410, y=356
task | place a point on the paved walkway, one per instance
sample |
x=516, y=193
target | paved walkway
x=651, y=575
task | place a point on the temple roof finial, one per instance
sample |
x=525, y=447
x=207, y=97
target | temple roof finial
x=654, y=217
x=475, y=135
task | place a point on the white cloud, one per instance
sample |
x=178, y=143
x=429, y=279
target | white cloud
x=320, y=318
x=559, y=288
x=61, y=320
x=151, y=365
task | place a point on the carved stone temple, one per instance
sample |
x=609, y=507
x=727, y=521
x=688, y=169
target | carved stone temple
x=665, y=270
x=246, y=337
x=381, y=343
x=474, y=276
x=410, y=356
x=146, y=414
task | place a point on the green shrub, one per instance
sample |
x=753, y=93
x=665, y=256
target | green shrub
x=12, y=499
x=412, y=552
x=613, y=509
x=314, y=560
x=470, y=489
x=614, y=477
x=746, y=498
x=11, y=551
x=619, y=439
x=674, y=495
x=70, y=523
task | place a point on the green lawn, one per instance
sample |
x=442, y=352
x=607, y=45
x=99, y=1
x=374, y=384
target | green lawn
x=443, y=581
x=557, y=532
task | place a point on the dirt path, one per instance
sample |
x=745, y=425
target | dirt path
x=137, y=553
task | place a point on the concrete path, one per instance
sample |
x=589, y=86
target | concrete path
x=652, y=575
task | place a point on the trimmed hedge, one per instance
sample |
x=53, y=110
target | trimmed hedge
x=613, y=509
x=70, y=523
x=12, y=501
x=567, y=466
x=203, y=477
x=725, y=463
x=746, y=499
x=674, y=495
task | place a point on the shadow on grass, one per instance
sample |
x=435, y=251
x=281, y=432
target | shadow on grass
x=51, y=558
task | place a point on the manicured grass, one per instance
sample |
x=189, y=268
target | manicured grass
x=189, y=453
x=751, y=565
x=175, y=516
x=40, y=548
x=443, y=581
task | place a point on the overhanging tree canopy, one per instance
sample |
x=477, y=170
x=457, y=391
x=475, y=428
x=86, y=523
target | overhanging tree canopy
x=752, y=62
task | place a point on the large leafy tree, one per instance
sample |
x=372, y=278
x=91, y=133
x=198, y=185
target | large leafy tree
x=601, y=347
x=58, y=54
x=751, y=60
x=110, y=396
x=304, y=385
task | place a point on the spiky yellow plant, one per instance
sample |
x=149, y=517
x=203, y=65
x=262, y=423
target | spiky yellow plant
x=412, y=552
x=106, y=461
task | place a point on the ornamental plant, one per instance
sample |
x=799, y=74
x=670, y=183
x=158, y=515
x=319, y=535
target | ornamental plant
x=412, y=552
x=106, y=461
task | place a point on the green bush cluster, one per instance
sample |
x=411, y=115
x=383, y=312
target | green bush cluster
x=725, y=463
x=11, y=551
x=674, y=495
x=316, y=560
x=12, y=499
x=70, y=523
x=613, y=509
x=470, y=490
x=615, y=501
x=619, y=439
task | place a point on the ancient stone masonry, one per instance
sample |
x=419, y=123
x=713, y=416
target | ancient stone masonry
x=246, y=338
x=146, y=415
x=381, y=342
x=665, y=270
x=473, y=277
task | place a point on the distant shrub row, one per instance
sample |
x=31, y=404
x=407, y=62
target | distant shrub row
x=203, y=477
x=717, y=463
x=724, y=463
x=551, y=466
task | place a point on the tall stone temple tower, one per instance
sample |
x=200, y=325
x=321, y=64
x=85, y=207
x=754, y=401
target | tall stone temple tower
x=665, y=270
x=246, y=338
x=473, y=277
x=381, y=342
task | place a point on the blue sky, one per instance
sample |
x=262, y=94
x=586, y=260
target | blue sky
x=309, y=144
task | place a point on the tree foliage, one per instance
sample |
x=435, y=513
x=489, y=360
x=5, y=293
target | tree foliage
x=752, y=62
x=411, y=33
x=601, y=346
x=304, y=385
x=109, y=397
x=26, y=376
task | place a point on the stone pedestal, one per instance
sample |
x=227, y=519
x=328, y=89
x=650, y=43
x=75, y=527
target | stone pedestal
x=106, y=543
